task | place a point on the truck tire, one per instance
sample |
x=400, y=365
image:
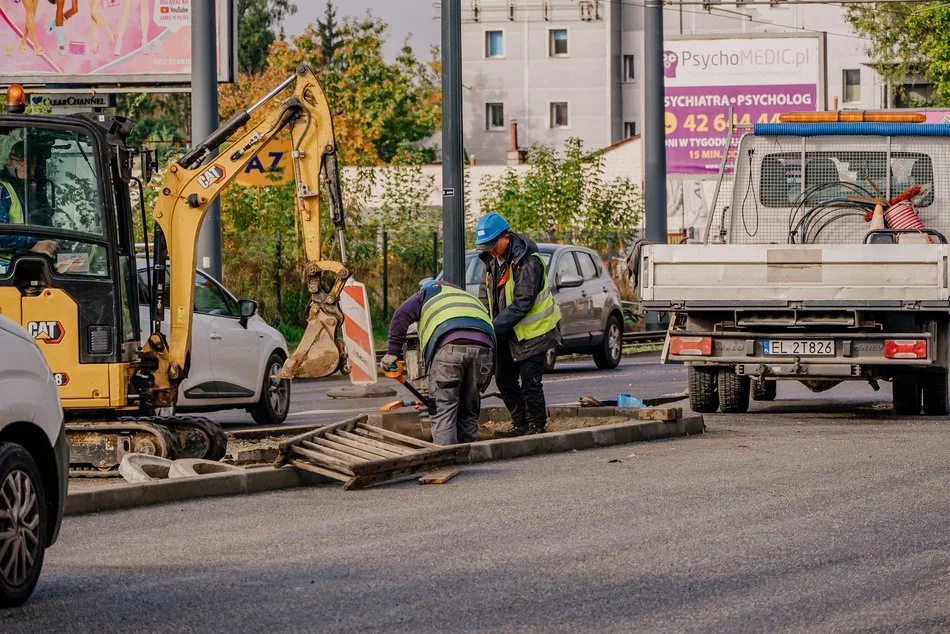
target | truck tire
x=934, y=389
x=733, y=392
x=763, y=390
x=703, y=392
x=906, y=395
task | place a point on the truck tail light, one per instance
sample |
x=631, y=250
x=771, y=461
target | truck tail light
x=691, y=346
x=905, y=348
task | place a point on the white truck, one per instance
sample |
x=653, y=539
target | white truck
x=791, y=281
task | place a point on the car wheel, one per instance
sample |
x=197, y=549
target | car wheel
x=550, y=359
x=607, y=356
x=23, y=522
x=274, y=404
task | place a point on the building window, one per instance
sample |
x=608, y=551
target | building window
x=629, y=129
x=629, y=68
x=852, y=85
x=557, y=43
x=494, y=116
x=494, y=44
x=559, y=114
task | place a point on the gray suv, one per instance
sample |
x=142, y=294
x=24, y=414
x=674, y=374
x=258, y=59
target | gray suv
x=591, y=316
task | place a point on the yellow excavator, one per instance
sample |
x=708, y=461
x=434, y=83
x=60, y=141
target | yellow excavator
x=68, y=263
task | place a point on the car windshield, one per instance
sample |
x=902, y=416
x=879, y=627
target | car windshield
x=49, y=180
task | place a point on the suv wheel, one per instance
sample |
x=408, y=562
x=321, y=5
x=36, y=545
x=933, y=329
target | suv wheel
x=607, y=355
x=23, y=522
x=274, y=405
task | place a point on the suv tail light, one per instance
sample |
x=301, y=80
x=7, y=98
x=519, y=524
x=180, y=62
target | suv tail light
x=691, y=346
x=905, y=348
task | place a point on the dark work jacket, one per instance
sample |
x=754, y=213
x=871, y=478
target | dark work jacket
x=529, y=280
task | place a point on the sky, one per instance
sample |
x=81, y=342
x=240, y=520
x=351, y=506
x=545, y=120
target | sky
x=405, y=18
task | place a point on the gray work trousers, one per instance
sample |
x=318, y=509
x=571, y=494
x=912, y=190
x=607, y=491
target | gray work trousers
x=457, y=375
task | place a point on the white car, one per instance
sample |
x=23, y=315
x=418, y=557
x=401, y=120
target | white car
x=34, y=463
x=234, y=354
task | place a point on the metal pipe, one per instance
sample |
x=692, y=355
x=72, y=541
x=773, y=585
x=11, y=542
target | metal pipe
x=287, y=82
x=654, y=136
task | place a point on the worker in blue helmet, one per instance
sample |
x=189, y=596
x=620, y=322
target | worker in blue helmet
x=525, y=318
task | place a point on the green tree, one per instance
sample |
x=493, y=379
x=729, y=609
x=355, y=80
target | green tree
x=907, y=39
x=328, y=31
x=564, y=192
x=260, y=23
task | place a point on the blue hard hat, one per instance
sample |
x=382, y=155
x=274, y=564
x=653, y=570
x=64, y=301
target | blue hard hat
x=488, y=229
x=429, y=283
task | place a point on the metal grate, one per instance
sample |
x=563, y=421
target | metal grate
x=803, y=190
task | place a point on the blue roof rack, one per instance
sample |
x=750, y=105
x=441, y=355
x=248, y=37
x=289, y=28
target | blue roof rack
x=852, y=129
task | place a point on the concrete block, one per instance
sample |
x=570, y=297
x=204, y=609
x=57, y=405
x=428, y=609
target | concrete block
x=596, y=412
x=252, y=456
x=194, y=467
x=562, y=410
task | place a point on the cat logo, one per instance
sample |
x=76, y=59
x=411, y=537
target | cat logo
x=46, y=331
x=61, y=378
x=212, y=175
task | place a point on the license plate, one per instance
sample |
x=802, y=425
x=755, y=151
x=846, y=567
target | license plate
x=804, y=347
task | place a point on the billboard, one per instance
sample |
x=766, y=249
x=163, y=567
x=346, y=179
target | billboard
x=758, y=77
x=106, y=42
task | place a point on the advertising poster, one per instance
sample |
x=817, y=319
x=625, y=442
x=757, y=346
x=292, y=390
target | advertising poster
x=759, y=78
x=101, y=42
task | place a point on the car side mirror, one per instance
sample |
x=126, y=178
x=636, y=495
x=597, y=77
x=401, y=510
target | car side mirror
x=570, y=281
x=247, y=308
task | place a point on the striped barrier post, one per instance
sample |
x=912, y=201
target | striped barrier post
x=358, y=334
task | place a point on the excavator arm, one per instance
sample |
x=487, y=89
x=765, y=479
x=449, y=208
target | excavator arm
x=191, y=185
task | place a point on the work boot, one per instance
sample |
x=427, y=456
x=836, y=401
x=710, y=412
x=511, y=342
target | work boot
x=512, y=432
x=534, y=429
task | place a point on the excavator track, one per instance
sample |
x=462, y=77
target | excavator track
x=96, y=448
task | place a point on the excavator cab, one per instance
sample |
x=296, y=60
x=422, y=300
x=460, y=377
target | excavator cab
x=67, y=269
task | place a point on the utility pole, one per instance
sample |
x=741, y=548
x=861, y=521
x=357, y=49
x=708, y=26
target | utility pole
x=654, y=130
x=453, y=208
x=204, y=119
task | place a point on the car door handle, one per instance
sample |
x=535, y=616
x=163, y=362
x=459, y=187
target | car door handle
x=215, y=336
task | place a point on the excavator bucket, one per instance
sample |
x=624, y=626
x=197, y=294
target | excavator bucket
x=321, y=351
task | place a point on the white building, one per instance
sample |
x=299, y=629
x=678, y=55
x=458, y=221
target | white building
x=565, y=68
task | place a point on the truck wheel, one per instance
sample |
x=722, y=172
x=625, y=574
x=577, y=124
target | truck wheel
x=23, y=521
x=906, y=395
x=703, y=394
x=934, y=388
x=733, y=392
x=763, y=390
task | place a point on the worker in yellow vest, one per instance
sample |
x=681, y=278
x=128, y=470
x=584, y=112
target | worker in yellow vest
x=458, y=343
x=12, y=188
x=525, y=318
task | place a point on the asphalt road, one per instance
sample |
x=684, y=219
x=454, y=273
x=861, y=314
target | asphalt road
x=641, y=375
x=786, y=519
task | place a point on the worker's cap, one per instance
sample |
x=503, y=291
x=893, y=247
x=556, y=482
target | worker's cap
x=488, y=230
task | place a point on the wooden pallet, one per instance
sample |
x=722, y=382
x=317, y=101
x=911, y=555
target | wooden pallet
x=360, y=455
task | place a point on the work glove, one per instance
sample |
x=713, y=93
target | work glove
x=388, y=363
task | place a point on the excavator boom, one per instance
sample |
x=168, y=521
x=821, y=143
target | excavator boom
x=194, y=182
